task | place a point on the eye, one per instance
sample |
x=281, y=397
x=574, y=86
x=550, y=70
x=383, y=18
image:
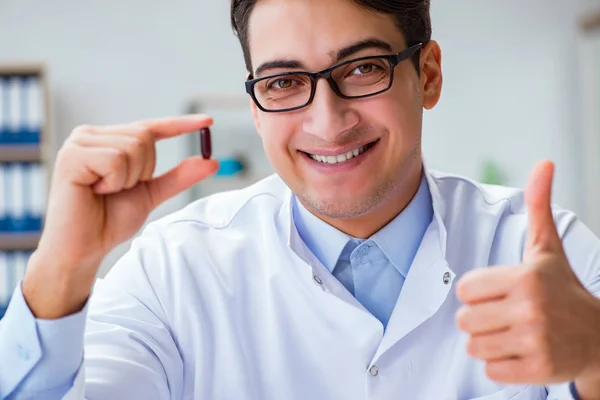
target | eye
x=364, y=69
x=282, y=84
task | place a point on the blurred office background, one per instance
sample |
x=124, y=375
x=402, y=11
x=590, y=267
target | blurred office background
x=522, y=82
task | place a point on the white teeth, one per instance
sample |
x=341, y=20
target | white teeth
x=339, y=158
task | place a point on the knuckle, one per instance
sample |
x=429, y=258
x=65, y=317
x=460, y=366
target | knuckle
x=136, y=145
x=118, y=159
x=141, y=132
x=81, y=130
x=64, y=155
x=462, y=318
x=473, y=347
x=531, y=280
x=463, y=290
x=531, y=312
x=141, y=137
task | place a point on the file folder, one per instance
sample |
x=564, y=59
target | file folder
x=3, y=204
x=36, y=189
x=33, y=115
x=16, y=190
x=4, y=110
x=14, y=110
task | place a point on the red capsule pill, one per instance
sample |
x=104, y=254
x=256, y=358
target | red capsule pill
x=205, y=143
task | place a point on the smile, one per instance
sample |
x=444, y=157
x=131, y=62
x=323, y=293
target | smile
x=340, y=158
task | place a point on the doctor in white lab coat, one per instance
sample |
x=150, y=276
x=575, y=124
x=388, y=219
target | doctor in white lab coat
x=355, y=273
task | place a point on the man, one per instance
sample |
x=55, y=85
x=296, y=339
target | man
x=354, y=273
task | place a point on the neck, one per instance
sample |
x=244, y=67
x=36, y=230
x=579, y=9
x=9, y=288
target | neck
x=368, y=224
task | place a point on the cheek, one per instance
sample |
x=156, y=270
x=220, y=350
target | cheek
x=396, y=115
x=403, y=112
x=277, y=132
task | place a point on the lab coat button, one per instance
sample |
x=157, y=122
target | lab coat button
x=374, y=370
x=447, y=278
x=318, y=280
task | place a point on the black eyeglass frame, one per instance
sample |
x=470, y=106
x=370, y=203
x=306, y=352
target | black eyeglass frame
x=392, y=59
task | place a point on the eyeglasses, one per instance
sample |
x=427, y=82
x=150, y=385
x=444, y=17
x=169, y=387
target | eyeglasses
x=353, y=79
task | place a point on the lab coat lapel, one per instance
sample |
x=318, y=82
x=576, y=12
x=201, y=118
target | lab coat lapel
x=429, y=280
x=427, y=286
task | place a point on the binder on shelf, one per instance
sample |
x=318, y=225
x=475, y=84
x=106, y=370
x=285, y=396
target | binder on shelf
x=16, y=210
x=22, y=197
x=5, y=282
x=36, y=190
x=3, y=193
x=7, y=273
x=14, y=87
x=21, y=110
x=34, y=105
x=4, y=110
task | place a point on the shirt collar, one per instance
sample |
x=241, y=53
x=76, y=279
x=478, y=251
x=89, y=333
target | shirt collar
x=313, y=232
x=399, y=240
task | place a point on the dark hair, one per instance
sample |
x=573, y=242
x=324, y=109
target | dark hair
x=412, y=17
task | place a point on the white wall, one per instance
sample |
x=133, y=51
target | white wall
x=510, y=75
x=510, y=90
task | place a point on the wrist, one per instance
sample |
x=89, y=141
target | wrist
x=55, y=291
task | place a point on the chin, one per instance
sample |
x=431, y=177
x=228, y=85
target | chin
x=340, y=205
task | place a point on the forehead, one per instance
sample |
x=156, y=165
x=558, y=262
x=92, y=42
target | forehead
x=312, y=31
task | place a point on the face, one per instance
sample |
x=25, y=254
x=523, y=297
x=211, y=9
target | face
x=384, y=130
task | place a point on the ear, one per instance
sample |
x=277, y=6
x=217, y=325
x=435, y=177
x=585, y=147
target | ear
x=431, y=74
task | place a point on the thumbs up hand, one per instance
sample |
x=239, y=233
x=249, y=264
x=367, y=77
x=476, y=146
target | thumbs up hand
x=534, y=322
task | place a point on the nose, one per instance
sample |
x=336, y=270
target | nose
x=328, y=115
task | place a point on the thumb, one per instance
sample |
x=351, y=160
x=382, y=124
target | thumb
x=541, y=234
x=189, y=172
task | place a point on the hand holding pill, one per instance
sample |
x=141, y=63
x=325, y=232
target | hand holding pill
x=102, y=191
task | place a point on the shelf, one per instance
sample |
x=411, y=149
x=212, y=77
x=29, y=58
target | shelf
x=22, y=69
x=19, y=241
x=20, y=153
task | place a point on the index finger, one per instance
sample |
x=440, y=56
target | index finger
x=164, y=128
x=486, y=284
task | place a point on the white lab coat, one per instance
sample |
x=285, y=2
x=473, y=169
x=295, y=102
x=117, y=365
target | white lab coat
x=221, y=301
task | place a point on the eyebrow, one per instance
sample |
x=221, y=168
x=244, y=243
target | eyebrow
x=336, y=57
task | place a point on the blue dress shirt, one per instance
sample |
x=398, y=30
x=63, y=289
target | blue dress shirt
x=373, y=270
